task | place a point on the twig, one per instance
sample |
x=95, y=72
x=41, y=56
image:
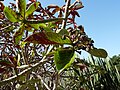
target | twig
x=42, y=81
x=66, y=14
x=15, y=77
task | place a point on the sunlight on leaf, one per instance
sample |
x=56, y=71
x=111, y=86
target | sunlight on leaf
x=22, y=7
x=32, y=8
x=10, y=14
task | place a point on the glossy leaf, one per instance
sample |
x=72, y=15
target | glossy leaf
x=32, y=8
x=47, y=38
x=98, y=52
x=10, y=14
x=22, y=7
x=18, y=34
x=63, y=58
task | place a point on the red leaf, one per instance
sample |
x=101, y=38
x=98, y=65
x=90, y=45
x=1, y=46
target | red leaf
x=47, y=38
x=39, y=38
x=1, y=6
x=74, y=13
x=52, y=6
x=55, y=10
x=32, y=1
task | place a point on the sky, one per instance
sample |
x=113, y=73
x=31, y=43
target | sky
x=101, y=20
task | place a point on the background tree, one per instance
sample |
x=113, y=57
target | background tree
x=116, y=61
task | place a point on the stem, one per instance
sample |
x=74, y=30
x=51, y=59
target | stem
x=66, y=14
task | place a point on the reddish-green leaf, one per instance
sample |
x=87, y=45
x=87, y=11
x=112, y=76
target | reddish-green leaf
x=10, y=14
x=98, y=52
x=18, y=34
x=63, y=58
x=22, y=7
x=47, y=38
x=32, y=8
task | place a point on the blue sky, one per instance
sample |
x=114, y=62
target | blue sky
x=101, y=20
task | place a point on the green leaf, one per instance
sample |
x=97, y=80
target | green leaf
x=22, y=7
x=22, y=44
x=57, y=38
x=35, y=26
x=10, y=14
x=18, y=34
x=32, y=8
x=63, y=58
x=45, y=27
x=63, y=32
x=47, y=38
x=98, y=52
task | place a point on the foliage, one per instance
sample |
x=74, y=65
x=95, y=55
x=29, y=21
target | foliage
x=39, y=45
x=116, y=61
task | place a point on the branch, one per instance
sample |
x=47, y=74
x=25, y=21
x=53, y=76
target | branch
x=15, y=77
x=66, y=14
x=42, y=81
